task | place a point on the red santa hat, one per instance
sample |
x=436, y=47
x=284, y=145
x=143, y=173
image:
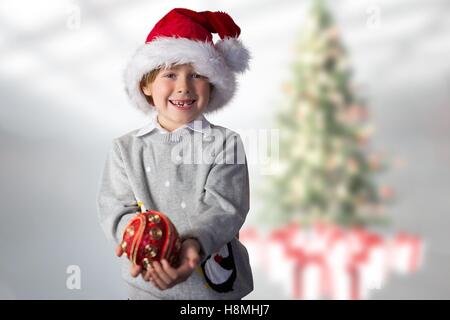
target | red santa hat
x=184, y=36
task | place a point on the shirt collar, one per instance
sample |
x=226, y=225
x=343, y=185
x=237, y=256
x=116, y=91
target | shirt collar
x=199, y=124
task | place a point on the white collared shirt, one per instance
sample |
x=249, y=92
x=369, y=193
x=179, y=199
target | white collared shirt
x=199, y=124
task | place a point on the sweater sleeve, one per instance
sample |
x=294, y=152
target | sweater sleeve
x=225, y=201
x=116, y=202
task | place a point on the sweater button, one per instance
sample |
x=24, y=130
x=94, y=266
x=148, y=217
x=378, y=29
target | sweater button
x=167, y=183
x=148, y=169
x=183, y=204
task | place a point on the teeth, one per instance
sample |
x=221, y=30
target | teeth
x=181, y=104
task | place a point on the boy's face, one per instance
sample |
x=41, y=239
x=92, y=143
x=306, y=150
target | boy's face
x=180, y=94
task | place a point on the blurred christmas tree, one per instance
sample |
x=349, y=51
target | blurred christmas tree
x=325, y=171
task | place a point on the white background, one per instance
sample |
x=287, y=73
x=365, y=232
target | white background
x=62, y=101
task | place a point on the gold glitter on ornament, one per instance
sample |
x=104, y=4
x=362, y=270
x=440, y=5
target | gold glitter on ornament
x=154, y=218
x=151, y=251
x=145, y=263
x=130, y=231
x=155, y=233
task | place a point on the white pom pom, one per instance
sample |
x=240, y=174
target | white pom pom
x=235, y=54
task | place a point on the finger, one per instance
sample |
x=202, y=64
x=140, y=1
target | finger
x=148, y=273
x=119, y=250
x=153, y=274
x=184, y=265
x=193, y=259
x=148, y=278
x=192, y=252
x=184, y=271
x=162, y=275
x=194, y=262
x=153, y=281
x=156, y=280
x=135, y=270
x=143, y=274
x=171, y=272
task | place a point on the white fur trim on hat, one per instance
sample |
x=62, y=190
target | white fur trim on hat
x=218, y=64
x=235, y=54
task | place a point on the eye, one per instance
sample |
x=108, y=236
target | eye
x=169, y=75
x=197, y=76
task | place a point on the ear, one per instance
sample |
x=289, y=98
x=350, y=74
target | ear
x=146, y=90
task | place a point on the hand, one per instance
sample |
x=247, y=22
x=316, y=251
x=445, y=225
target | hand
x=135, y=270
x=164, y=276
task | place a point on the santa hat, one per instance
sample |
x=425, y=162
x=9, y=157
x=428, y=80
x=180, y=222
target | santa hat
x=184, y=36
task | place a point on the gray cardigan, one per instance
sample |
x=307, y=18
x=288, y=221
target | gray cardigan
x=200, y=181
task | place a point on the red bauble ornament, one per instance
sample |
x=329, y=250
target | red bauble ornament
x=151, y=236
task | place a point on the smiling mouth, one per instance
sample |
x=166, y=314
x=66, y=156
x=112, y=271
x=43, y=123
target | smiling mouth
x=182, y=104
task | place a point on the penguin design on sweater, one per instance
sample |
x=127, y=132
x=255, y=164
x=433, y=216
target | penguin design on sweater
x=219, y=269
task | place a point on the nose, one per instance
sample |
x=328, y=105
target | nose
x=183, y=85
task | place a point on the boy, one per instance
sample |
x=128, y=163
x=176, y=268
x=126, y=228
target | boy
x=180, y=164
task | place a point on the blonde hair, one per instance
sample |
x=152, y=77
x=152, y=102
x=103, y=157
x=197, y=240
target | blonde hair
x=147, y=79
